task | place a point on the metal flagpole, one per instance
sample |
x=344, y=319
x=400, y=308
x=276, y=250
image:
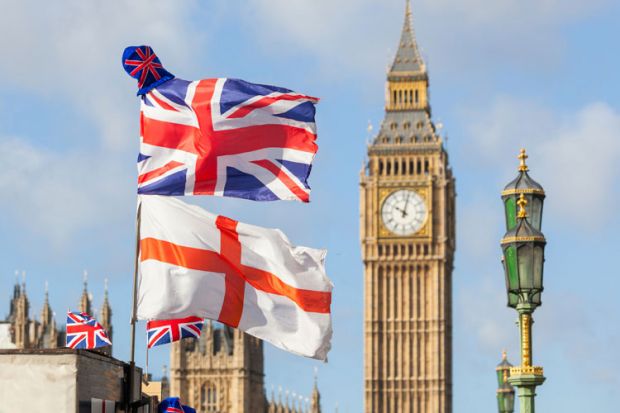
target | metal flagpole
x=134, y=305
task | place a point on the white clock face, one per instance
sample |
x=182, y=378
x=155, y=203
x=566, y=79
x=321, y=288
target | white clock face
x=404, y=212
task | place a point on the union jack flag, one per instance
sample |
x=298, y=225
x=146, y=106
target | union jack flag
x=166, y=331
x=83, y=331
x=173, y=405
x=226, y=137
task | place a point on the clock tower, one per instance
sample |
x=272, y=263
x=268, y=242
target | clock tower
x=408, y=240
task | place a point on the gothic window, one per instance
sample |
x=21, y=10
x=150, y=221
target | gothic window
x=411, y=168
x=410, y=96
x=416, y=96
x=388, y=168
x=380, y=167
x=395, y=97
x=208, y=397
x=396, y=165
x=400, y=96
x=407, y=125
x=393, y=125
x=419, y=167
x=426, y=166
x=419, y=124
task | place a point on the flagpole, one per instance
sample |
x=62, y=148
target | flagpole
x=134, y=306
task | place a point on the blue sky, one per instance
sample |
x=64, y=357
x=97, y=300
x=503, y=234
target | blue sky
x=505, y=74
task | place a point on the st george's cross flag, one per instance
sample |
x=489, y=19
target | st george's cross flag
x=223, y=137
x=194, y=263
x=166, y=331
x=83, y=331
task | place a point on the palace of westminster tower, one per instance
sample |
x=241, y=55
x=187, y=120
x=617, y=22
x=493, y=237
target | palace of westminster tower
x=21, y=331
x=407, y=229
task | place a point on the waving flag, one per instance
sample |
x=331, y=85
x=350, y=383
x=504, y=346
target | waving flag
x=223, y=137
x=248, y=277
x=83, y=331
x=173, y=405
x=166, y=331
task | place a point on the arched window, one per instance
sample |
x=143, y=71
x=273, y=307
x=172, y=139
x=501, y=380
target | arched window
x=395, y=97
x=400, y=96
x=416, y=96
x=208, y=397
x=410, y=96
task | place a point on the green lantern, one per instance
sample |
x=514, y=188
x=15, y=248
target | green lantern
x=523, y=258
x=505, y=391
x=534, y=193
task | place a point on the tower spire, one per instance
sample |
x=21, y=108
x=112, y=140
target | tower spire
x=408, y=58
x=85, y=301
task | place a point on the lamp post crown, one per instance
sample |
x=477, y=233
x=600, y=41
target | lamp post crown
x=522, y=157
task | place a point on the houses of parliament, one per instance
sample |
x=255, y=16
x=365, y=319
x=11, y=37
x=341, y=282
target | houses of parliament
x=221, y=372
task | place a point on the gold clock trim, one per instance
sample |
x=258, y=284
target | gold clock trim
x=425, y=229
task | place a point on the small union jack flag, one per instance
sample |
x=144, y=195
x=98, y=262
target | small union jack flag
x=83, y=331
x=166, y=331
x=141, y=63
x=173, y=405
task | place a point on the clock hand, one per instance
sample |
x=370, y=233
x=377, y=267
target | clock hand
x=402, y=211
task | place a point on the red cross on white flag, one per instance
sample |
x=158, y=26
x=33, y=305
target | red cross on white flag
x=193, y=263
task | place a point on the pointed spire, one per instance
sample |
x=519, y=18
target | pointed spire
x=46, y=312
x=85, y=301
x=408, y=57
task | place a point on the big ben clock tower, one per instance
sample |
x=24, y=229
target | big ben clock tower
x=407, y=234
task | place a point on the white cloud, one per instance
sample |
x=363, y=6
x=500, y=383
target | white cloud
x=55, y=195
x=71, y=50
x=574, y=156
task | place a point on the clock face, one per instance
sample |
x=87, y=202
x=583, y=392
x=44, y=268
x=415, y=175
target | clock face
x=404, y=212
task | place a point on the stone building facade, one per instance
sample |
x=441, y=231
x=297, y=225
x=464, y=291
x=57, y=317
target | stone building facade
x=223, y=372
x=407, y=234
x=22, y=331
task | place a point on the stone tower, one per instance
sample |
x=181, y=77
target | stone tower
x=408, y=240
x=220, y=372
x=85, y=300
x=21, y=323
x=105, y=318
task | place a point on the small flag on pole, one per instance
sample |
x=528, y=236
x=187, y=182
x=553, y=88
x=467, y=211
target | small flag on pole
x=166, y=331
x=84, y=332
x=173, y=405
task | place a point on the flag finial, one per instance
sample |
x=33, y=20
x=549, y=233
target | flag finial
x=141, y=63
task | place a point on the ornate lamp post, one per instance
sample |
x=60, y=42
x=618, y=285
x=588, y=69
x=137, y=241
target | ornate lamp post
x=523, y=259
x=505, y=392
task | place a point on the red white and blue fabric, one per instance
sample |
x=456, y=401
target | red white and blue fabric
x=226, y=137
x=141, y=63
x=173, y=405
x=84, y=332
x=166, y=331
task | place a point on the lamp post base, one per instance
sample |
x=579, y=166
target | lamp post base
x=526, y=379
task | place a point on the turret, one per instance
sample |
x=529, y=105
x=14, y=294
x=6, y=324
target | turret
x=85, y=300
x=105, y=317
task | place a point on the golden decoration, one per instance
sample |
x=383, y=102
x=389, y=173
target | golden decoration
x=519, y=191
x=522, y=203
x=522, y=157
x=522, y=370
x=526, y=340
